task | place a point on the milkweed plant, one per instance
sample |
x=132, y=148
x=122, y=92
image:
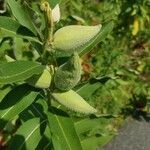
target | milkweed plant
x=40, y=92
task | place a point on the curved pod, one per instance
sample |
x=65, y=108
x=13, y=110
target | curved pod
x=72, y=38
x=41, y=81
x=74, y=101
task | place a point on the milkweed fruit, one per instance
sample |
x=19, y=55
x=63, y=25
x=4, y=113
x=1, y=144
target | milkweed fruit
x=41, y=81
x=73, y=101
x=68, y=74
x=72, y=38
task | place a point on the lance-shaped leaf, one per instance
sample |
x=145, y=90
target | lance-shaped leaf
x=53, y=3
x=18, y=71
x=4, y=91
x=39, y=109
x=69, y=74
x=16, y=101
x=92, y=127
x=28, y=135
x=21, y=14
x=10, y=27
x=88, y=89
x=64, y=136
x=45, y=142
x=74, y=102
x=95, y=142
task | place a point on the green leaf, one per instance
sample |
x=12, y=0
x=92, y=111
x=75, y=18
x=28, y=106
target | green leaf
x=46, y=142
x=18, y=71
x=39, y=109
x=85, y=127
x=6, y=33
x=88, y=89
x=10, y=27
x=16, y=101
x=21, y=14
x=4, y=91
x=36, y=109
x=53, y=3
x=94, y=143
x=9, y=24
x=28, y=135
x=3, y=46
x=63, y=129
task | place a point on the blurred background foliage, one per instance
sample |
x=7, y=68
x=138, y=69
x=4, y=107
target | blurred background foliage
x=121, y=63
x=118, y=69
x=116, y=73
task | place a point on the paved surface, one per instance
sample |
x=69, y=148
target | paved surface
x=134, y=135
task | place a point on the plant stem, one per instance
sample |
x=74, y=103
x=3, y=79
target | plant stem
x=48, y=97
x=48, y=30
x=51, y=29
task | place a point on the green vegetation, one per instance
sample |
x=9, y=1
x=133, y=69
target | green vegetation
x=40, y=65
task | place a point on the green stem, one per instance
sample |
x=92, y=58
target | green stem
x=51, y=29
x=48, y=92
x=48, y=31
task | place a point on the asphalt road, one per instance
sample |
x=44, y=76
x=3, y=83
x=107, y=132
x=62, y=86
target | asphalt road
x=134, y=135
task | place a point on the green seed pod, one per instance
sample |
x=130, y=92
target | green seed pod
x=73, y=101
x=72, y=38
x=41, y=81
x=9, y=59
x=68, y=75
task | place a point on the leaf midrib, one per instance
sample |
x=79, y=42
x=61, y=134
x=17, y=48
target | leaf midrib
x=32, y=38
x=63, y=132
x=7, y=112
x=62, y=128
x=12, y=76
x=30, y=134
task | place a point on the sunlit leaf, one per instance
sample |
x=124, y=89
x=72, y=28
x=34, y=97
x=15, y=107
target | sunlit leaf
x=28, y=135
x=62, y=127
x=18, y=71
x=11, y=28
x=16, y=101
x=21, y=14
